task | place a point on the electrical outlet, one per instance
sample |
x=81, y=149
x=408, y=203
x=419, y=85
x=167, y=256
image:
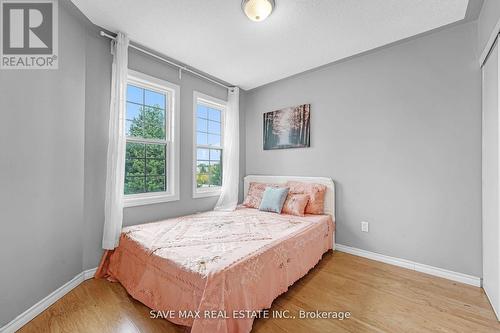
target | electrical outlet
x=364, y=226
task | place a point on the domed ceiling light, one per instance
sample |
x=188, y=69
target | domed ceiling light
x=258, y=10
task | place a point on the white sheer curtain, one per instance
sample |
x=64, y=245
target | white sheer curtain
x=113, y=214
x=231, y=160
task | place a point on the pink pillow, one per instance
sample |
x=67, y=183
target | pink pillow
x=295, y=204
x=255, y=192
x=316, y=192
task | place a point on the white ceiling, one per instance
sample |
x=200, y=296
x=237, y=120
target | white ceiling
x=215, y=37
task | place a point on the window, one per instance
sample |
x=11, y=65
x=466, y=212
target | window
x=151, y=129
x=208, y=145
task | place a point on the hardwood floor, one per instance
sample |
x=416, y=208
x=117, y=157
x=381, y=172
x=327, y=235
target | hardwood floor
x=380, y=297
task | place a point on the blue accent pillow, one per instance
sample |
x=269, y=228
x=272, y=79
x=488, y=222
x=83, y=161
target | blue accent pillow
x=273, y=199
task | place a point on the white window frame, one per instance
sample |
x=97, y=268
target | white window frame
x=218, y=104
x=172, y=124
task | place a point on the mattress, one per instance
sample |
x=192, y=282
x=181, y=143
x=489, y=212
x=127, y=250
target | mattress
x=211, y=271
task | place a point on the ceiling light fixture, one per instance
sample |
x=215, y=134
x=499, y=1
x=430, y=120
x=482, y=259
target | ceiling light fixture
x=258, y=10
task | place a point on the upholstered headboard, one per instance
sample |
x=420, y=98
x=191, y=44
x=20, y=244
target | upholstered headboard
x=330, y=187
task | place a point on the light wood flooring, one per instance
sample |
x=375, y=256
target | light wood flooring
x=380, y=297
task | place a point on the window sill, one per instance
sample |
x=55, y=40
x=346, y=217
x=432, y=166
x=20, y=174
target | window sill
x=206, y=193
x=148, y=199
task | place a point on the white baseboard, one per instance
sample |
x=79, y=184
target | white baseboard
x=436, y=271
x=89, y=273
x=43, y=304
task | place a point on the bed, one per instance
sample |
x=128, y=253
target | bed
x=215, y=271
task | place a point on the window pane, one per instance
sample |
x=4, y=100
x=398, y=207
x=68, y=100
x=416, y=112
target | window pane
x=134, y=167
x=155, y=151
x=133, y=111
x=214, y=127
x=134, y=123
x=202, y=154
x=215, y=154
x=215, y=174
x=152, y=98
x=155, y=167
x=134, y=150
x=202, y=166
x=134, y=185
x=202, y=111
x=135, y=94
x=214, y=139
x=202, y=177
x=128, y=123
x=201, y=124
x=155, y=184
x=214, y=114
x=202, y=180
x=154, y=123
x=145, y=168
x=201, y=138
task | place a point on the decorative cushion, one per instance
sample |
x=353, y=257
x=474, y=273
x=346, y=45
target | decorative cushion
x=255, y=192
x=295, y=204
x=273, y=199
x=316, y=192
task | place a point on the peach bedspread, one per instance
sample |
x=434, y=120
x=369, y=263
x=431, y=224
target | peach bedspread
x=217, y=261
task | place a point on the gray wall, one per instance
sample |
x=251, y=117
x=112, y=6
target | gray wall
x=488, y=18
x=97, y=96
x=399, y=131
x=42, y=174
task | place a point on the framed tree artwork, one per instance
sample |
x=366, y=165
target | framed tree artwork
x=287, y=128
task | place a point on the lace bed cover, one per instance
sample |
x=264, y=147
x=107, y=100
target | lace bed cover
x=216, y=263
